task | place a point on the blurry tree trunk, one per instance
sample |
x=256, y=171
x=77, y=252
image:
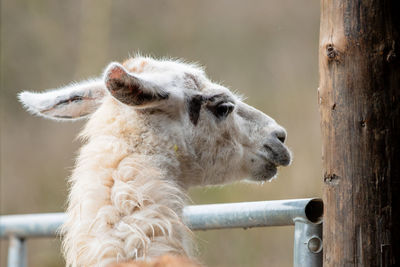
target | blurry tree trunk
x=359, y=97
x=94, y=36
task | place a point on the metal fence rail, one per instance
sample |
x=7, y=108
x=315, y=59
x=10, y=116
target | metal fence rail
x=304, y=214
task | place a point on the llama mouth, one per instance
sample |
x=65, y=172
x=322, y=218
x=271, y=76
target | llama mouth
x=265, y=171
x=268, y=172
x=281, y=158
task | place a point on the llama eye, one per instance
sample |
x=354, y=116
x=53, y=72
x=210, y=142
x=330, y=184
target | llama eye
x=223, y=109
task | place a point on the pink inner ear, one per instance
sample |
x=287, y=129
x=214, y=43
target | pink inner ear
x=129, y=89
x=116, y=73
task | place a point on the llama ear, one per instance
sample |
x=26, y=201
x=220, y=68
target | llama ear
x=130, y=89
x=71, y=102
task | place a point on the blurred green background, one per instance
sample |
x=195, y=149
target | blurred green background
x=264, y=49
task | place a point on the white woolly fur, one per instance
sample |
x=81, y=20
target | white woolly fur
x=129, y=184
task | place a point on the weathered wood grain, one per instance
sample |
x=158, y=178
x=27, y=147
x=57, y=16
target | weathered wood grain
x=359, y=98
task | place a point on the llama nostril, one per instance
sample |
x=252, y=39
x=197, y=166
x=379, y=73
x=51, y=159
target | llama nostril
x=280, y=135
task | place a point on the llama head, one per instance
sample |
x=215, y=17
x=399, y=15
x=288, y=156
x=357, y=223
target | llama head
x=210, y=133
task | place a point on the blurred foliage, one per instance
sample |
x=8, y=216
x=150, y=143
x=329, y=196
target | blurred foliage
x=266, y=50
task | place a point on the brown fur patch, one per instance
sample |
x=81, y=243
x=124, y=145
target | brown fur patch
x=127, y=62
x=163, y=261
x=143, y=64
x=136, y=69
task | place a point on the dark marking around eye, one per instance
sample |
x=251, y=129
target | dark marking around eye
x=216, y=97
x=194, y=108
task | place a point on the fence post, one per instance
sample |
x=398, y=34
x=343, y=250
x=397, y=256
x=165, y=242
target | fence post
x=359, y=98
x=307, y=243
x=16, y=252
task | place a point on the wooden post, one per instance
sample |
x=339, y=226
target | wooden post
x=359, y=97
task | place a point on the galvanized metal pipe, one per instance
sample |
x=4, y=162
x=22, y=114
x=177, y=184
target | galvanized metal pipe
x=252, y=214
x=199, y=217
x=307, y=248
x=305, y=214
x=31, y=225
x=16, y=252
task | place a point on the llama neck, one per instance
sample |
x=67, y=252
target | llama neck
x=122, y=206
x=148, y=199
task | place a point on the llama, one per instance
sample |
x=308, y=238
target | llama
x=155, y=128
